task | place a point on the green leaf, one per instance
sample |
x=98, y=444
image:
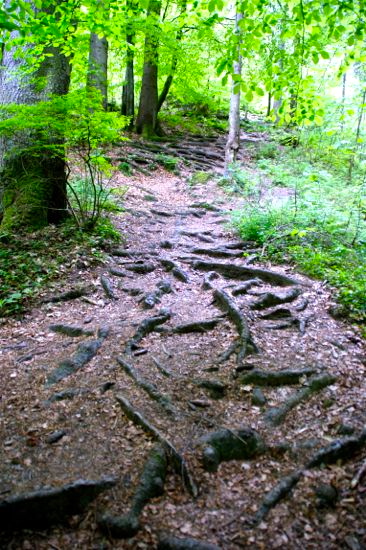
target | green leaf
x=249, y=95
x=324, y=54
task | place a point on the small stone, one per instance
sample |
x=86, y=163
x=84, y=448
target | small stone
x=107, y=386
x=200, y=403
x=244, y=367
x=216, y=388
x=54, y=437
x=166, y=244
x=142, y=351
x=258, y=398
x=165, y=286
x=327, y=495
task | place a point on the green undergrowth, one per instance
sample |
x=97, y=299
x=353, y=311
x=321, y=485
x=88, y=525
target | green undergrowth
x=206, y=124
x=30, y=261
x=318, y=223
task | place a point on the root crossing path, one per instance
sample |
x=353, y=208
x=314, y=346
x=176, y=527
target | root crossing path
x=182, y=395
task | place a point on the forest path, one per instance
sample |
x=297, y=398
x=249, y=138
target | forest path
x=212, y=355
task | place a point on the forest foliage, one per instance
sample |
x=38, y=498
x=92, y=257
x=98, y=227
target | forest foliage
x=303, y=74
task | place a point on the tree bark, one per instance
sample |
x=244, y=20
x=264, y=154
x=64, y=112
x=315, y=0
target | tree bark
x=269, y=104
x=128, y=91
x=233, y=140
x=97, y=77
x=32, y=185
x=148, y=106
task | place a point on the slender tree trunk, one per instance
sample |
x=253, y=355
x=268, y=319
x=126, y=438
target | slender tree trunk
x=98, y=66
x=343, y=104
x=277, y=104
x=168, y=82
x=128, y=91
x=148, y=106
x=269, y=104
x=233, y=140
x=361, y=112
x=33, y=186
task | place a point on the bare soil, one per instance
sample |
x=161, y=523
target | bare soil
x=163, y=222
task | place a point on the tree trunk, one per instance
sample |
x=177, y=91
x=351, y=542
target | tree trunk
x=148, y=108
x=33, y=185
x=269, y=104
x=277, y=104
x=343, y=103
x=97, y=77
x=167, y=83
x=128, y=91
x=233, y=140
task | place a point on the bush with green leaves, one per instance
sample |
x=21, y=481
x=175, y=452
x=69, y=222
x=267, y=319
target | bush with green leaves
x=74, y=128
x=319, y=224
x=241, y=180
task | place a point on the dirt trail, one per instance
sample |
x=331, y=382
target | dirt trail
x=187, y=337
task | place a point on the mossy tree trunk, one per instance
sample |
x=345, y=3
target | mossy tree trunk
x=32, y=184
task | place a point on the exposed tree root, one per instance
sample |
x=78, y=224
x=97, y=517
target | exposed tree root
x=176, y=459
x=118, y=272
x=164, y=213
x=196, y=326
x=207, y=280
x=149, y=388
x=141, y=268
x=275, y=378
x=225, y=355
x=216, y=388
x=169, y=542
x=277, y=415
x=161, y=368
x=234, y=271
x=246, y=344
x=107, y=287
x=339, y=449
x=175, y=270
x=126, y=253
x=71, y=330
x=207, y=206
x=217, y=252
x=151, y=485
x=84, y=353
x=151, y=299
x=278, y=493
x=205, y=238
x=276, y=314
x=145, y=327
x=243, y=288
x=47, y=507
x=68, y=295
x=270, y=299
x=224, y=445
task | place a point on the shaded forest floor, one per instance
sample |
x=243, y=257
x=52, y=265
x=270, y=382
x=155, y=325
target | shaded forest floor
x=182, y=338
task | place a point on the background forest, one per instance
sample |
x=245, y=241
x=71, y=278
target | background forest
x=79, y=77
